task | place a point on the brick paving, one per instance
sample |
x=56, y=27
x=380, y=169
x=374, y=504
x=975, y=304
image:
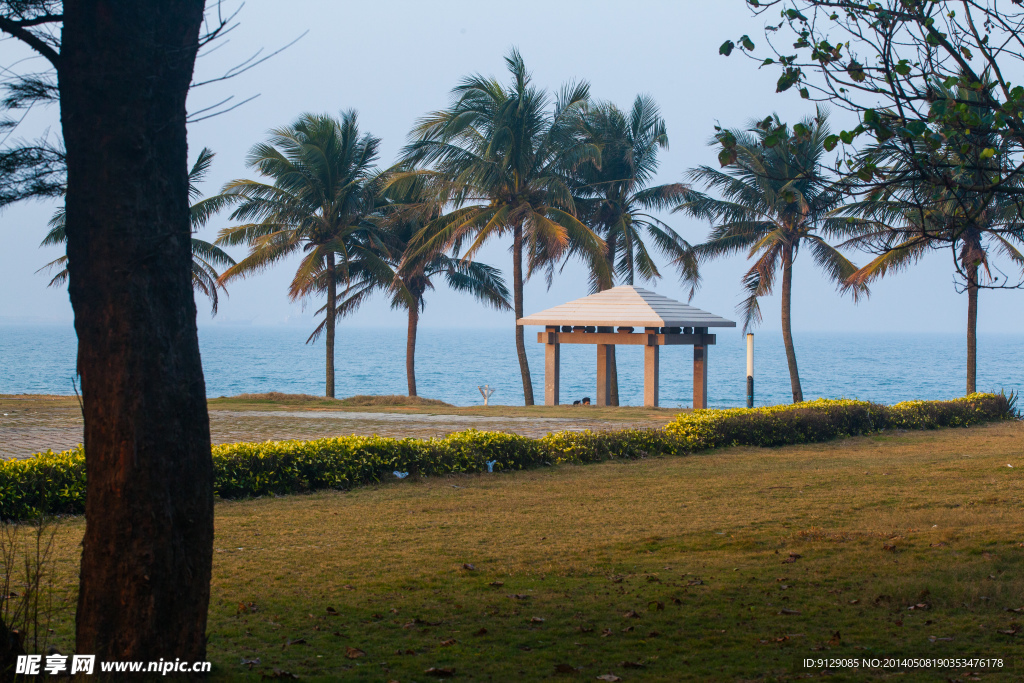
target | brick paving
x=32, y=424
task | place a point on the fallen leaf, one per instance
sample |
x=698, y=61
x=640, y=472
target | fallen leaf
x=1018, y=609
x=605, y=633
x=354, y=652
x=536, y=620
x=934, y=639
x=658, y=605
x=616, y=578
x=250, y=662
x=653, y=634
x=438, y=671
x=611, y=678
x=525, y=648
x=348, y=587
x=836, y=638
x=519, y=596
x=468, y=567
x=400, y=651
x=243, y=607
x=695, y=582
x=628, y=629
x=584, y=629
x=448, y=643
x=631, y=614
x=676, y=601
x=279, y=673
x=496, y=584
x=889, y=548
x=793, y=557
x=789, y=611
x=854, y=601
x=565, y=669
x=632, y=665
x=481, y=632
x=393, y=610
x=331, y=612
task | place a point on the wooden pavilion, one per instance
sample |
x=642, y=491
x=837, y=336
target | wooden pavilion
x=608, y=319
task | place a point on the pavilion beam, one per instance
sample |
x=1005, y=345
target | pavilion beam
x=604, y=375
x=552, y=370
x=700, y=372
x=619, y=338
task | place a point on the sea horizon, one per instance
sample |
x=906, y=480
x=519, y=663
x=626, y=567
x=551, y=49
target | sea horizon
x=452, y=363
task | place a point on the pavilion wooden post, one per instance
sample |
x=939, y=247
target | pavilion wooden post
x=651, y=370
x=551, y=366
x=700, y=369
x=604, y=375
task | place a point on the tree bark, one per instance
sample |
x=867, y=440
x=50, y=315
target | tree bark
x=972, y=327
x=332, y=306
x=410, y=348
x=124, y=74
x=787, y=330
x=517, y=296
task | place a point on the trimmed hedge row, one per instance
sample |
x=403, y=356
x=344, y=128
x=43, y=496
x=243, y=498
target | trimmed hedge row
x=55, y=482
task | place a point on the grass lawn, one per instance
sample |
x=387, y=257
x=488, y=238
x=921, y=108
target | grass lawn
x=729, y=566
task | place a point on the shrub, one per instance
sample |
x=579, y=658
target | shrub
x=824, y=419
x=55, y=482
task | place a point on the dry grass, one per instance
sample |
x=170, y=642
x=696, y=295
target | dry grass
x=276, y=398
x=697, y=547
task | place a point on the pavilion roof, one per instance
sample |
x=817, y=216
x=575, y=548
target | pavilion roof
x=626, y=306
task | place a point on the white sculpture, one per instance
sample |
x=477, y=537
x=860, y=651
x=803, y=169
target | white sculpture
x=487, y=392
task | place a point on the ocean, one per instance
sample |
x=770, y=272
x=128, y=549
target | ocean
x=452, y=363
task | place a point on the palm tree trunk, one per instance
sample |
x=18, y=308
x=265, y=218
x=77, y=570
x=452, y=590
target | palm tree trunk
x=517, y=295
x=332, y=304
x=410, y=348
x=787, y=331
x=972, y=327
x=613, y=371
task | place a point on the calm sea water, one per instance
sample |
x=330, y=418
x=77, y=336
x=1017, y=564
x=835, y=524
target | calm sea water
x=451, y=364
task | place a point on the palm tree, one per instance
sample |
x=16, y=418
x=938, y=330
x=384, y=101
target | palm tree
x=323, y=188
x=417, y=270
x=503, y=161
x=901, y=222
x=206, y=257
x=617, y=201
x=775, y=199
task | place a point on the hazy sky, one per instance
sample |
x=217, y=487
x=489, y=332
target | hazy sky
x=394, y=61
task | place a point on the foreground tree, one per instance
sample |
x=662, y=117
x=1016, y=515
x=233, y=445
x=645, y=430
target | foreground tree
x=617, y=201
x=124, y=70
x=324, y=188
x=206, y=257
x=507, y=158
x=773, y=202
x=887, y=62
x=901, y=223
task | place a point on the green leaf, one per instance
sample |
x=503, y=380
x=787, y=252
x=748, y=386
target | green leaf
x=987, y=153
x=788, y=78
x=830, y=142
x=747, y=43
x=856, y=71
x=726, y=48
x=805, y=94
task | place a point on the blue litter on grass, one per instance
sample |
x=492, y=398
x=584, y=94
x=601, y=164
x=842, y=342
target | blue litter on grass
x=400, y=475
x=491, y=464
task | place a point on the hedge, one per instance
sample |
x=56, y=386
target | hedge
x=55, y=482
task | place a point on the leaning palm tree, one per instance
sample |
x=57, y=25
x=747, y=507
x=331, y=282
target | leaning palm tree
x=206, y=257
x=774, y=199
x=617, y=200
x=502, y=158
x=322, y=189
x=902, y=221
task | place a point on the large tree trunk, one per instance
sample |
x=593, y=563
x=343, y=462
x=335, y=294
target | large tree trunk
x=410, y=348
x=124, y=74
x=972, y=327
x=613, y=370
x=332, y=306
x=787, y=330
x=517, y=296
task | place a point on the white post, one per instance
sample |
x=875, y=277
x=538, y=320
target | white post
x=487, y=392
x=750, y=370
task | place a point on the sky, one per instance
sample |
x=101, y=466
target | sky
x=394, y=61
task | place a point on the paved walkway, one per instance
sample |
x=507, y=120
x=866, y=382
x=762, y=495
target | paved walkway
x=29, y=426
